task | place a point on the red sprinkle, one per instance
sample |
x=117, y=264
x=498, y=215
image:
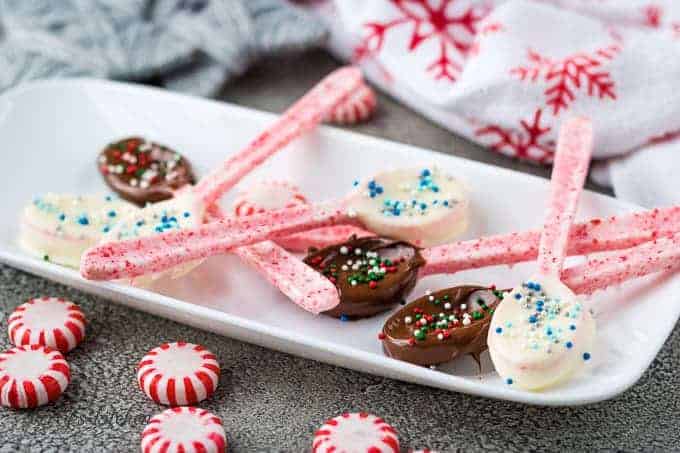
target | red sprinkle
x=381, y=336
x=373, y=284
x=411, y=341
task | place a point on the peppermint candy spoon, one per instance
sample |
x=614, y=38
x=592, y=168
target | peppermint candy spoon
x=546, y=333
x=187, y=208
x=425, y=207
x=444, y=325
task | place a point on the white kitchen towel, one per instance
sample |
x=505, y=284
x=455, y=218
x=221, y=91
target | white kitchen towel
x=505, y=73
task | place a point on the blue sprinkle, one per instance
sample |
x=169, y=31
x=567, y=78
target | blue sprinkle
x=62, y=217
x=537, y=287
x=173, y=219
x=112, y=213
x=372, y=194
x=187, y=214
x=106, y=229
x=164, y=219
x=108, y=198
x=435, y=202
x=414, y=202
x=570, y=345
x=396, y=211
x=159, y=229
x=435, y=189
x=508, y=381
x=539, y=303
x=379, y=189
x=344, y=318
x=423, y=206
x=572, y=327
x=499, y=330
x=586, y=356
x=518, y=296
x=83, y=220
x=140, y=223
x=446, y=202
x=549, y=332
x=532, y=319
x=539, y=309
x=425, y=173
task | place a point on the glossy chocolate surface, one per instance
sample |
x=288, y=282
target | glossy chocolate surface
x=143, y=172
x=372, y=274
x=441, y=326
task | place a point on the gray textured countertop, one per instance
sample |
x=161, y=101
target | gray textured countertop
x=271, y=401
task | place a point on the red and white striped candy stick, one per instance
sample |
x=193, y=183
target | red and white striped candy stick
x=613, y=268
x=188, y=207
x=590, y=236
x=540, y=334
x=436, y=211
x=300, y=283
x=265, y=196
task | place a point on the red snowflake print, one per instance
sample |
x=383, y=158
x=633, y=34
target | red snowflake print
x=527, y=142
x=565, y=77
x=653, y=15
x=492, y=27
x=429, y=20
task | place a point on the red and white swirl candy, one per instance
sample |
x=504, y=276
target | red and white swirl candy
x=47, y=321
x=184, y=429
x=32, y=376
x=358, y=108
x=178, y=374
x=355, y=432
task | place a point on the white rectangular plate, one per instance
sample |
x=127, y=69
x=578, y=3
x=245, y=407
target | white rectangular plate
x=51, y=132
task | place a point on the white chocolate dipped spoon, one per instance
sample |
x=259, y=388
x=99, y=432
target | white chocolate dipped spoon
x=424, y=207
x=187, y=208
x=540, y=334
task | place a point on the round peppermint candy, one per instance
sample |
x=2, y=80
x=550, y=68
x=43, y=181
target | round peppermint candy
x=47, y=321
x=355, y=433
x=267, y=195
x=178, y=374
x=184, y=429
x=32, y=376
x=358, y=108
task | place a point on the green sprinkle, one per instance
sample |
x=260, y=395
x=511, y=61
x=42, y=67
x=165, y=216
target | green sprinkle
x=46, y=257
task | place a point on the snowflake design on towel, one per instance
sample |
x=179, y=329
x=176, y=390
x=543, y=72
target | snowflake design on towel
x=528, y=142
x=452, y=26
x=567, y=76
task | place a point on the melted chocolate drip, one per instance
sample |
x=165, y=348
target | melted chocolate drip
x=372, y=292
x=442, y=338
x=143, y=172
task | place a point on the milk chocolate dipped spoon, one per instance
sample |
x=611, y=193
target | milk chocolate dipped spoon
x=187, y=208
x=144, y=172
x=424, y=206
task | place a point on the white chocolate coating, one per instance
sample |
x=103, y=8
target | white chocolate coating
x=425, y=207
x=539, y=338
x=185, y=210
x=60, y=227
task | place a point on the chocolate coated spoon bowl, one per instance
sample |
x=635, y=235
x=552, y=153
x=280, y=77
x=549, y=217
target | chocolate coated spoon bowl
x=441, y=326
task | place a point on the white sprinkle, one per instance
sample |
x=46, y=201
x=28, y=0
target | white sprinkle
x=344, y=250
x=428, y=292
x=357, y=251
x=447, y=306
x=452, y=318
x=353, y=283
x=463, y=306
x=466, y=321
x=440, y=336
x=408, y=320
x=134, y=182
x=144, y=184
x=349, y=262
x=466, y=315
x=430, y=298
x=345, y=267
